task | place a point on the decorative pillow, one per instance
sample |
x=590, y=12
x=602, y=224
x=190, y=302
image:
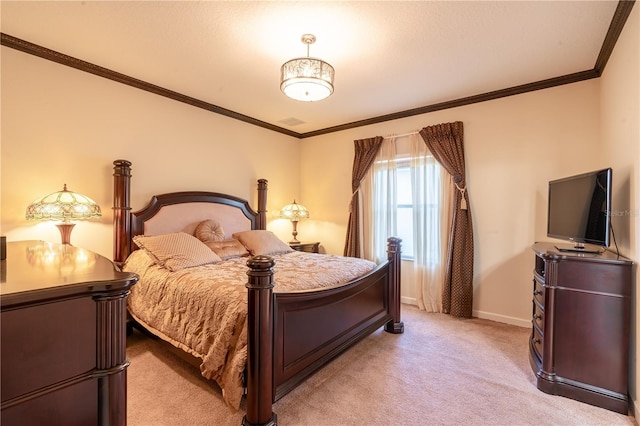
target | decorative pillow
x=176, y=251
x=209, y=230
x=262, y=242
x=227, y=249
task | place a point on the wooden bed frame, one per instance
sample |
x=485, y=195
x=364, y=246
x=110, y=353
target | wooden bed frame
x=290, y=335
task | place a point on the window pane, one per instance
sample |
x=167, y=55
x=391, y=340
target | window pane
x=404, y=185
x=405, y=230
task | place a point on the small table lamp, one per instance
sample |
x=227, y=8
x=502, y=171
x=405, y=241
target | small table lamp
x=294, y=212
x=63, y=205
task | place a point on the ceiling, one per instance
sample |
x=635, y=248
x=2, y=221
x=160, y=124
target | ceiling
x=391, y=58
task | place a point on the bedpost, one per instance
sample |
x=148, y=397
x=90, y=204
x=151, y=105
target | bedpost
x=262, y=204
x=260, y=343
x=121, y=208
x=395, y=326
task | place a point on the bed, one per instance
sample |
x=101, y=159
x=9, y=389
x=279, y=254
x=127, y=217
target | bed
x=289, y=333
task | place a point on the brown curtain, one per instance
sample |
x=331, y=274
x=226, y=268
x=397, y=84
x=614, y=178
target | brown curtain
x=365, y=152
x=445, y=141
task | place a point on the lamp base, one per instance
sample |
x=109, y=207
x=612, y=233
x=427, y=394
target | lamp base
x=294, y=233
x=65, y=231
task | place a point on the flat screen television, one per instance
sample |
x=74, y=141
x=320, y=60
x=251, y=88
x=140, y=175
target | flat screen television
x=579, y=209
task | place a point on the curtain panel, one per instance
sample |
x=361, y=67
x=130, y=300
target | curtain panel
x=430, y=183
x=365, y=153
x=430, y=186
x=445, y=141
x=378, y=190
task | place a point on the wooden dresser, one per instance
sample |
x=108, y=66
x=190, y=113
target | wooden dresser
x=63, y=336
x=579, y=345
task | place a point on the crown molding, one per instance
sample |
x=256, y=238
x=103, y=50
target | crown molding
x=623, y=10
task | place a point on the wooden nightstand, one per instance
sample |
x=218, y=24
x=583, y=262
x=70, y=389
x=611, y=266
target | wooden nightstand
x=63, y=337
x=309, y=247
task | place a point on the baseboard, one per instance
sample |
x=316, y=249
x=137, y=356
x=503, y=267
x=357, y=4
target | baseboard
x=502, y=318
x=632, y=410
x=480, y=314
x=408, y=300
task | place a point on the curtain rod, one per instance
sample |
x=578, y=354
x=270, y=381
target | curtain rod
x=402, y=135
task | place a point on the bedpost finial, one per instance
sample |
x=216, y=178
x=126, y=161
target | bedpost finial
x=122, y=163
x=260, y=272
x=122, y=167
x=260, y=263
x=393, y=244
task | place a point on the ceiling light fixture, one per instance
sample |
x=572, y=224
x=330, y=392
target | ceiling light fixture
x=307, y=79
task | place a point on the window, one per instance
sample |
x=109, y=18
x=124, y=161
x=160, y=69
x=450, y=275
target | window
x=408, y=172
x=406, y=193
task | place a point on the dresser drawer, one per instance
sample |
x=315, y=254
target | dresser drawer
x=537, y=342
x=538, y=292
x=75, y=405
x=538, y=317
x=44, y=344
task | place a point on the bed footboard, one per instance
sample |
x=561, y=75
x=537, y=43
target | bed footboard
x=314, y=327
x=292, y=335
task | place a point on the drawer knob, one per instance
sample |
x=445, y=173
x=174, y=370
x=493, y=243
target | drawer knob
x=535, y=340
x=537, y=316
x=536, y=292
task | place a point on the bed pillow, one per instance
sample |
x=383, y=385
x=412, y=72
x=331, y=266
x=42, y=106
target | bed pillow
x=176, y=251
x=227, y=249
x=209, y=230
x=262, y=242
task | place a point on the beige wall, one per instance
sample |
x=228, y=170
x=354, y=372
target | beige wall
x=620, y=144
x=513, y=146
x=60, y=125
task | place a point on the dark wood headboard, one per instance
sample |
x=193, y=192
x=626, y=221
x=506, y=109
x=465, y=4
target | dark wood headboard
x=177, y=211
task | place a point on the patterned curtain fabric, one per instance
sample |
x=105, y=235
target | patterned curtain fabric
x=445, y=141
x=365, y=152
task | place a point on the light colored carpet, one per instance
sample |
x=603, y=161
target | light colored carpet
x=441, y=371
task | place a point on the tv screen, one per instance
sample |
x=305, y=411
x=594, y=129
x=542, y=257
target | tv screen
x=579, y=209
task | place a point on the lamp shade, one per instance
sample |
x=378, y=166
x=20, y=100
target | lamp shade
x=63, y=205
x=294, y=212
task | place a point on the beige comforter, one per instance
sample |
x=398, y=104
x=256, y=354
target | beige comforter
x=203, y=310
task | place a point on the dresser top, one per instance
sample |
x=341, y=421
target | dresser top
x=553, y=250
x=37, y=270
